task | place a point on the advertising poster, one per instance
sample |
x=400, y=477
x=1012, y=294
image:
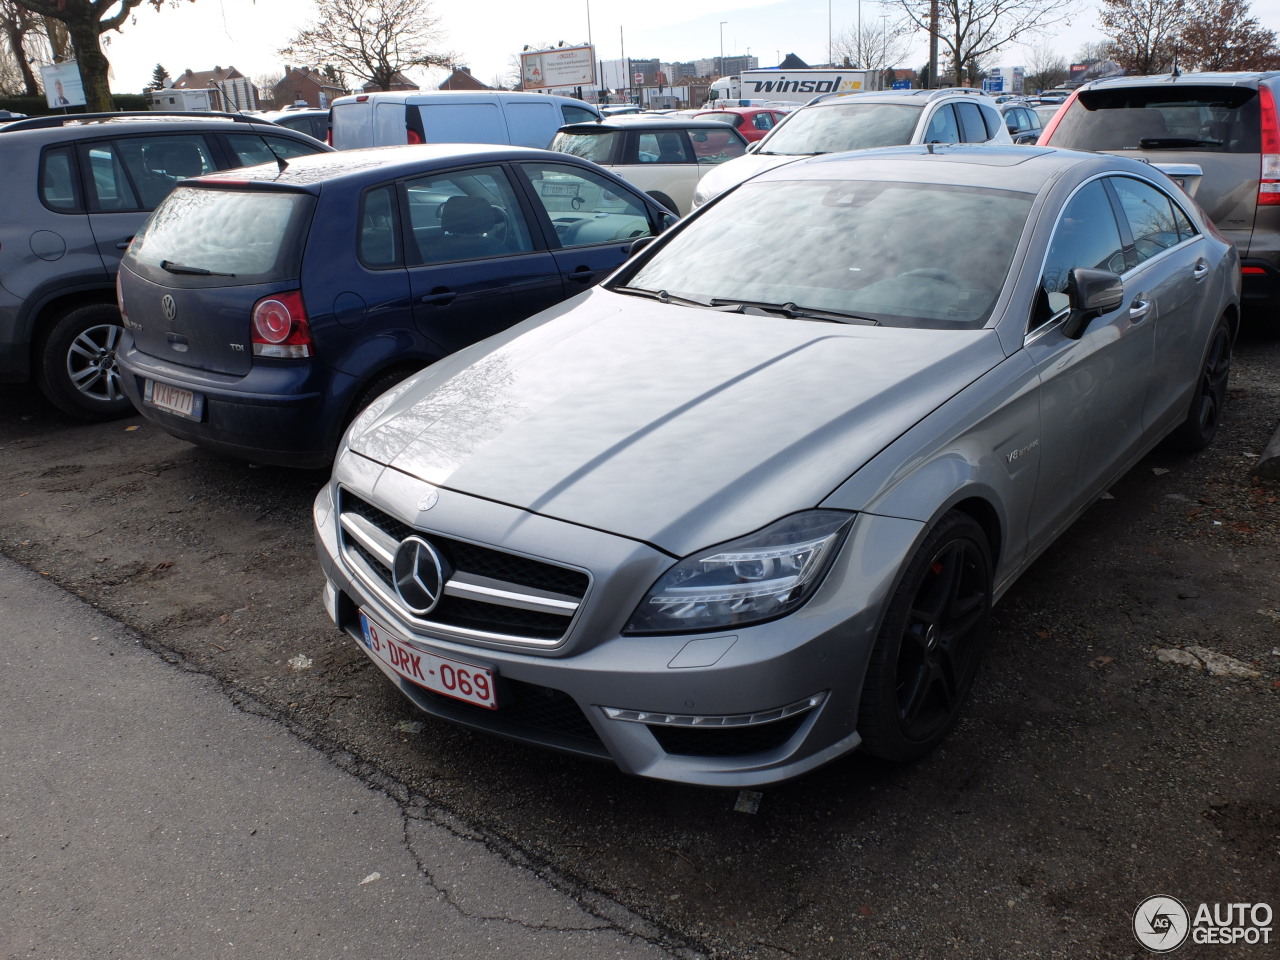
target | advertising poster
x=561, y=67
x=62, y=84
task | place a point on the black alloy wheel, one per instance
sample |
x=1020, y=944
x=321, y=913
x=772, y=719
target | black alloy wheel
x=927, y=653
x=1205, y=415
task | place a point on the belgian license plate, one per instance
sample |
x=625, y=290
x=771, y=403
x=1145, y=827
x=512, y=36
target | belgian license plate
x=442, y=675
x=174, y=399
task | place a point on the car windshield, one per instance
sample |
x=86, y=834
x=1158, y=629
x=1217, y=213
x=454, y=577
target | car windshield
x=1166, y=117
x=248, y=236
x=596, y=147
x=899, y=254
x=844, y=126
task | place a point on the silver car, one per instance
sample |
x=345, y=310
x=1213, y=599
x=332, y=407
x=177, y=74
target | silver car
x=724, y=526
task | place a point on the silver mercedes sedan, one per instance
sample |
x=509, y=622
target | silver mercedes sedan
x=745, y=507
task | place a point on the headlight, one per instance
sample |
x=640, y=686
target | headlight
x=761, y=576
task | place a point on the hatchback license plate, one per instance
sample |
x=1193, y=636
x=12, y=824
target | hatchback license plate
x=174, y=400
x=449, y=678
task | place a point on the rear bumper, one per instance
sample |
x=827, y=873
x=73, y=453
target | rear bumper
x=287, y=415
x=1260, y=282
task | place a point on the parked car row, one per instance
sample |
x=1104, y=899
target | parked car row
x=718, y=500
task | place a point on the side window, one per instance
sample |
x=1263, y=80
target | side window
x=156, y=163
x=250, y=149
x=717, y=146
x=763, y=121
x=1086, y=235
x=1032, y=119
x=667, y=146
x=465, y=215
x=1150, y=216
x=584, y=207
x=57, y=181
x=972, y=128
x=379, y=228
x=576, y=114
x=942, y=128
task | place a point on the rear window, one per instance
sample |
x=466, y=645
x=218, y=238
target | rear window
x=237, y=236
x=1167, y=117
x=596, y=147
x=844, y=126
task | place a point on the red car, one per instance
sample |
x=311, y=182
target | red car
x=752, y=122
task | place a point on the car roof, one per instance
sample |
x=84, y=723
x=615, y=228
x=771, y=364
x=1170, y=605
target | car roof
x=1224, y=78
x=379, y=163
x=639, y=121
x=914, y=97
x=745, y=111
x=1024, y=169
x=76, y=126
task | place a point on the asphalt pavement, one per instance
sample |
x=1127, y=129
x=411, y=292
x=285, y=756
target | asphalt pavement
x=146, y=812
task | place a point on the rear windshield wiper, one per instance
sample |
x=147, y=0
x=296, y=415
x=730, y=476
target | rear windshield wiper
x=172, y=267
x=662, y=296
x=793, y=311
x=1165, y=143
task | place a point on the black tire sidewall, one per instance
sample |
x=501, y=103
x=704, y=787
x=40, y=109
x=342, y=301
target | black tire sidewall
x=878, y=721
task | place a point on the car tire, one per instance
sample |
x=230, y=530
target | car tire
x=927, y=652
x=666, y=201
x=76, y=364
x=1201, y=425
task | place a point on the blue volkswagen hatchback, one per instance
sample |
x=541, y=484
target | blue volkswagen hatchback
x=264, y=308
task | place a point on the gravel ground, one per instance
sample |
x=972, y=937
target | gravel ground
x=1089, y=772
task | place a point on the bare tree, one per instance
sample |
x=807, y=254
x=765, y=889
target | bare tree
x=371, y=39
x=1046, y=68
x=19, y=27
x=85, y=22
x=1143, y=33
x=972, y=30
x=874, y=46
x=1220, y=35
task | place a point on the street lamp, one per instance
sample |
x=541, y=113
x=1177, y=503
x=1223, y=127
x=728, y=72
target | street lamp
x=722, y=23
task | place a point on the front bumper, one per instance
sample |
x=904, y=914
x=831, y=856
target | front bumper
x=738, y=708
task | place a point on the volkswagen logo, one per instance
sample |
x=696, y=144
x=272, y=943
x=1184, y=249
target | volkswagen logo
x=168, y=307
x=420, y=574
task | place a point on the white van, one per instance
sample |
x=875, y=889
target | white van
x=452, y=116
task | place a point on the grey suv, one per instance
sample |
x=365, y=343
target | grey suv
x=859, y=121
x=1224, y=124
x=77, y=188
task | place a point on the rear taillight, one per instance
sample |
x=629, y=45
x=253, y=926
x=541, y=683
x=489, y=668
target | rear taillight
x=1056, y=119
x=412, y=137
x=1269, y=181
x=280, y=327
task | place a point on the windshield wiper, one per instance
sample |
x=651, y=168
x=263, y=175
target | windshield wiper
x=793, y=311
x=1166, y=143
x=662, y=296
x=172, y=267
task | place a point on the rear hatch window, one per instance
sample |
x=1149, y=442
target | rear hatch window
x=201, y=237
x=596, y=147
x=1168, y=117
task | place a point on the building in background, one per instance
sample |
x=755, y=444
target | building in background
x=305, y=85
x=231, y=89
x=461, y=79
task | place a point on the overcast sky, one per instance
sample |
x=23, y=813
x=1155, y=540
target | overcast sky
x=485, y=35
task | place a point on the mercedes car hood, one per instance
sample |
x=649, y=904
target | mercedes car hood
x=672, y=425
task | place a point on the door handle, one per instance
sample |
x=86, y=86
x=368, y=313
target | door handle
x=124, y=244
x=1139, y=309
x=440, y=298
x=582, y=275
x=1200, y=270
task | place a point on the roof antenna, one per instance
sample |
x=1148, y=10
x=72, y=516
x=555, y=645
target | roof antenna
x=1176, y=72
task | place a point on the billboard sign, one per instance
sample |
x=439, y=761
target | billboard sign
x=559, y=67
x=62, y=84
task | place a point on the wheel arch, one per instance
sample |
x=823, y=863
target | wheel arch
x=46, y=310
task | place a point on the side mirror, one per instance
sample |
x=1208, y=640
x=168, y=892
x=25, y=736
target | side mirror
x=753, y=146
x=638, y=244
x=1091, y=293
